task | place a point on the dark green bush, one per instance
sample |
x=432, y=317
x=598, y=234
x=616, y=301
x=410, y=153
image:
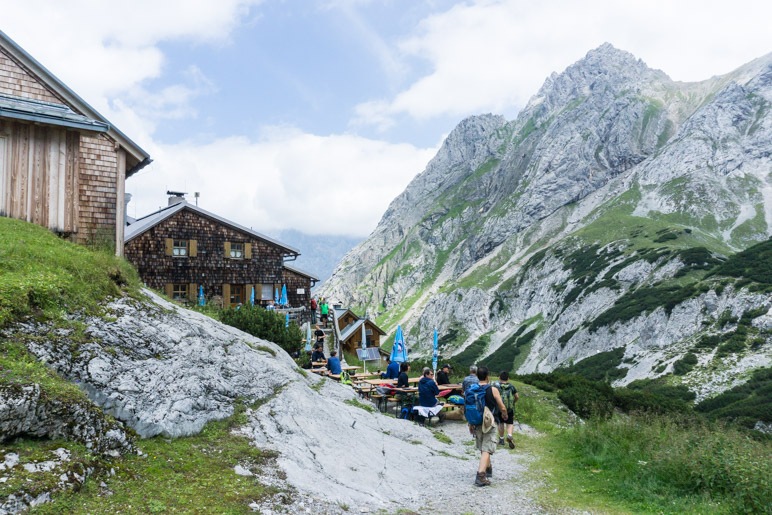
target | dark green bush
x=600, y=367
x=642, y=401
x=753, y=263
x=745, y=404
x=588, y=399
x=684, y=365
x=265, y=324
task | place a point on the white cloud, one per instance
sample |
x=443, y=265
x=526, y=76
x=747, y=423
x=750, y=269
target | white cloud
x=104, y=51
x=339, y=184
x=493, y=55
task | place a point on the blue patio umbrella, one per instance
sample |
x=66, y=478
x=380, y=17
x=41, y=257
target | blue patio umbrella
x=201, y=299
x=399, y=350
x=435, y=351
x=283, y=300
x=364, y=344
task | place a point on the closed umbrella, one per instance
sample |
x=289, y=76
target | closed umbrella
x=252, y=297
x=364, y=344
x=283, y=300
x=201, y=299
x=399, y=350
x=308, y=336
x=435, y=352
x=286, y=320
x=276, y=295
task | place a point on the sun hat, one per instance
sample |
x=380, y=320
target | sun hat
x=488, y=421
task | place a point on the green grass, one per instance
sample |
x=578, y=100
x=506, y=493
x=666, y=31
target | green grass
x=185, y=475
x=44, y=276
x=361, y=405
x=660, y=464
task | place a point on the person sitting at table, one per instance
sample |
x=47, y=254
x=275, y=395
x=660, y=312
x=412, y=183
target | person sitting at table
x=427, y=389
x=443, y=376
x=392, y=370
x=318, y=355
x=333, y=364
x=402, y=380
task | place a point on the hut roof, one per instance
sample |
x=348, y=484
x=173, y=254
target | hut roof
x=138, y=158
x=141, y=225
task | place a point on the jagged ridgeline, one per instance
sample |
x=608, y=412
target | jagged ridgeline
x=621, y=213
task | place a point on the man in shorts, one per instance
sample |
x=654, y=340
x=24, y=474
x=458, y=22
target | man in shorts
x=486, y=434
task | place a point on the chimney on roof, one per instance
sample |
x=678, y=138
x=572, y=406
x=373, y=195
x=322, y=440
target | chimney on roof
x=175, y=197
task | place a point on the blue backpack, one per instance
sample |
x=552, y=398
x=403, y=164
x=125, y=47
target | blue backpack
x=474, y=403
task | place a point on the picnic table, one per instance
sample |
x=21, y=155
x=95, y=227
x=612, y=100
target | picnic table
x=349, y=367
x=379, y=382
x=453, y=386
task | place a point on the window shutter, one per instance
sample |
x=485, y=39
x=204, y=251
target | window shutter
x=193, y=248
x=247, y=251
x=192, y=291
x=169, y=287
x=169, y=246
x=226, y=295
x=227, y=249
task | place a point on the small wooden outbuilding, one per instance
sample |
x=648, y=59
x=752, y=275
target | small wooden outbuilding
x=350, y=326
x=62, y=164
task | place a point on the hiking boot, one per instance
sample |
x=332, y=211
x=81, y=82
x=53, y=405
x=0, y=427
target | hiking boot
x=489, y=472
x=481, y=480
x=511, y=442
x=501, y=441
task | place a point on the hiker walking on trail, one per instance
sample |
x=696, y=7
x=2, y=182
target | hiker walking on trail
x=314, y=306
x=324, y=310
x=509, y=397
x=485, y=433
x=470, y=379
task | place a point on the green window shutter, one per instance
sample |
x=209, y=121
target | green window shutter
x=169, y=289
x=247, y=251
x=227, y=249
x=169, y=246
x=192, y=291
x=193, y=251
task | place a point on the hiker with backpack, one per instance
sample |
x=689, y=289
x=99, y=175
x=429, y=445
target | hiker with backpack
x=481, y=405
x=314, y=306
x=509, y=397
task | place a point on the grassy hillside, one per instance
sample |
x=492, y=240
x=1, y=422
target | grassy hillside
x=43, y=276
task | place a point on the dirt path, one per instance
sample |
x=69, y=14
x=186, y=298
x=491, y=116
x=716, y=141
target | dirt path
x=510, y=490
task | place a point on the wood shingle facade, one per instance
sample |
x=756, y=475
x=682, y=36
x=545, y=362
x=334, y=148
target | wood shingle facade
x=62, y=164
x=299, y=284
x=182, y=248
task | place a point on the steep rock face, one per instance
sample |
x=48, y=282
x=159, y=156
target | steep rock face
x=608, y=154
x=24, y=411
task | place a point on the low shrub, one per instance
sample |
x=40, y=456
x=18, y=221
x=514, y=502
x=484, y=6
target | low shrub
x=265, y=324
x=684, y=365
